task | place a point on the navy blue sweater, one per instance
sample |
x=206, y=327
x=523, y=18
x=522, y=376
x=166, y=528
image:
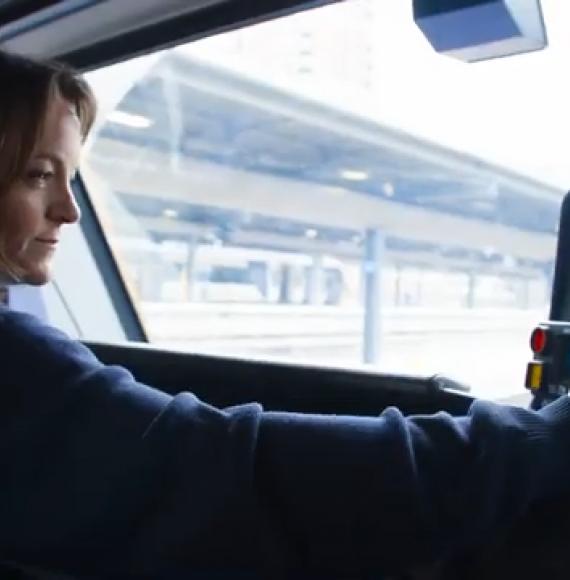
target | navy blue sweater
x=102, y=475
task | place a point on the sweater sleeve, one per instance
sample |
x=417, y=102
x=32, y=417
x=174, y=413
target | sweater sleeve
x=103, y=475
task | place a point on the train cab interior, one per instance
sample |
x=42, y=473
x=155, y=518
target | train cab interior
x=324, y=206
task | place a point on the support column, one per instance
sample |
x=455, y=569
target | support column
x=315, y=280
x=549, y=279
x=189, y=271
x=374, y=251
x=471, y=286
x=398, y=286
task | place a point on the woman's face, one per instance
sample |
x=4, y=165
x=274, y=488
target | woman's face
x=34, y=208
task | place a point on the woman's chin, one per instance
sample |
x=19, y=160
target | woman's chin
x=36, y=278
x=31, y=271
x=36, y=275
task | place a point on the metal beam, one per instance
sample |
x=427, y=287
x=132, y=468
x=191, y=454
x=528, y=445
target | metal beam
x=372, y=266
x=204, y=183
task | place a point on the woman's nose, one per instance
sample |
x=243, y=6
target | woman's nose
x=64, y=208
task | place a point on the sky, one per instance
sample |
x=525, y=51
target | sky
x=513, y=111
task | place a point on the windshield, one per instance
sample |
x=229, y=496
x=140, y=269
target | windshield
x=326, y=188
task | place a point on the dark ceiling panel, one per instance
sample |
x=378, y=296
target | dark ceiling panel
x=12, y=10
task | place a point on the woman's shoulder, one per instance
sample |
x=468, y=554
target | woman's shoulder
x=28, y=344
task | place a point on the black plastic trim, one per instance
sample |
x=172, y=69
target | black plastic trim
x=12, y=10
x=103, y=256
x=560, y=300
x=279, y=386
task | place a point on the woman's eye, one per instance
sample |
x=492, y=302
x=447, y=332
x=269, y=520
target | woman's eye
x=39, y=175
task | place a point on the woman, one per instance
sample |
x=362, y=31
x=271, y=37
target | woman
x=101, y=475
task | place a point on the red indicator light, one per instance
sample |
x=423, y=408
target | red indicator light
x=538, y=340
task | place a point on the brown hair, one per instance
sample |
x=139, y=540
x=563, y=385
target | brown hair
x=27, y=89
x=28, y=86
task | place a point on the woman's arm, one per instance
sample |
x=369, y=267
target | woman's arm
x=101, y=474
x=391, y=491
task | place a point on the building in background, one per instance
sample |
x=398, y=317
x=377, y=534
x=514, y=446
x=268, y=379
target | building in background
x=333, y=47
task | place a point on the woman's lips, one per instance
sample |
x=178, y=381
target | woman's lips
x=47, y=242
